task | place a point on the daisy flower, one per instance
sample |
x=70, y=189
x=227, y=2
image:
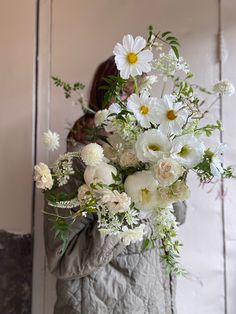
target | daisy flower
x=131, y=58
x=170, y=115
x=151, y=146
x=187, y=150
x=144, y=108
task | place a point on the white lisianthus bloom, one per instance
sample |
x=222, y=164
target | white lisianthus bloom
x=152, y=145
x=116, y=202
x=100, y=173
x=92, y=154
x=144, y=108
x=141, y=187
x=148, y=81
x=167, y=171
x=187, y=150
x=224, y=87
x=128, y=158
x=170, y=115
x=131, y=58
x=42, y=176
x=51, y=139
x=82, y=192
x=132, y=235
x=100, y=117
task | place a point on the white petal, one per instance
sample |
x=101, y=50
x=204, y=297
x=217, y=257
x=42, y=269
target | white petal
x=139, y=44
x=145, y=56
x=128, y=42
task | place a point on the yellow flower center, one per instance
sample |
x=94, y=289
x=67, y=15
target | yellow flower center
x=154, y=147
x=132, y=57
x=184, y=151
x=171, y=115
x=145, y=195
x=144, y=109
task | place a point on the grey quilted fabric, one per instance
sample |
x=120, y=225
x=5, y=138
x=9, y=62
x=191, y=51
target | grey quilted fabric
x=99, y=275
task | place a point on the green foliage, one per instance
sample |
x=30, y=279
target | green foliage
x=61, y=229
x=113, y=86
x=68, y=88
x=209, y=128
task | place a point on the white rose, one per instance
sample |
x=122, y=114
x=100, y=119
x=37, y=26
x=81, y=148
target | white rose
x=180, y=191
x=167, y=171
x=101, y=116
x=116, y=202
x=164, y=196
x=128, y=158
x=101, y=173
x=82, y=192
x=43, y=176
x=92, y=154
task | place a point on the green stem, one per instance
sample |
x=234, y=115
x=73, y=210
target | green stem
x=136, y=89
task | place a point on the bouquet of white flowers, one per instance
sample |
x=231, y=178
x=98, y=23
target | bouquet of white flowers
x=152, y=143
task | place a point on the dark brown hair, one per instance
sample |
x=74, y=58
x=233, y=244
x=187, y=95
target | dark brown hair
x=77, y=133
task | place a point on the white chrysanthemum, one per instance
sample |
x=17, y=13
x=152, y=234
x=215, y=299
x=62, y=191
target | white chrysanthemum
x=101, y=173
x=82, y=192
x=224, y=87
x=151, y=146
x=116, y=202
x=42, y=176
x=141, y=187
x=51, y=139
x=100, y=117
x=144, y=108
x=131, y=58
x=187, y=150
x=167, y=171
x=170, y=115
x=92, y=154
x=128, y=158
x=132, y=235
x=148, y=81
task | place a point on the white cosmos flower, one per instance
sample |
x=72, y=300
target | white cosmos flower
x=131, y=58
x=141, y=187
x=132, y=235
x=51, y=139
x=170, y=115
x=144, y=108
x=224, y=87
x=187, y=150
x=216, y=161
x=101, y=173
x=92, y=154
x=152, y=145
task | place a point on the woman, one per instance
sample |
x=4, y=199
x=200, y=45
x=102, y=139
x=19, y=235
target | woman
x=96, y=273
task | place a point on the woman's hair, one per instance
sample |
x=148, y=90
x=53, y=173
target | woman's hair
x=78, y=132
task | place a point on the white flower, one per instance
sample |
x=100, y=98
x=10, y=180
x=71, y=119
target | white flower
x=51, y=139
x=128, y=158
x=170, y=115
x=132, y=235
x=167, y=171
x=224, y=87
x=152, y=145
x=43, y=176
x=82, y=192
x=216, y=161
x=100, y=117
x=144, y=108
x=92, y=154
x=187, y=150
x=101, y=173
x=141, y=187
x=116, y=202
x=180, y=191
x=164, y=196
x=131, y=58
x=148, y=81
x=113, y=109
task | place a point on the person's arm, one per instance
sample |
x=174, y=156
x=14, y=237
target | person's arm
x=87, y=249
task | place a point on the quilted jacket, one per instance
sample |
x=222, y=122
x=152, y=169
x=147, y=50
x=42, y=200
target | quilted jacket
x=97, y=274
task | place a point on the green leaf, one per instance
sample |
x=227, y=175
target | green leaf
x=165, y=34
x=175, y=51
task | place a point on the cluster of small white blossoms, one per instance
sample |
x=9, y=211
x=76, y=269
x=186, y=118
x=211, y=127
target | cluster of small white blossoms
x=224, y=87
